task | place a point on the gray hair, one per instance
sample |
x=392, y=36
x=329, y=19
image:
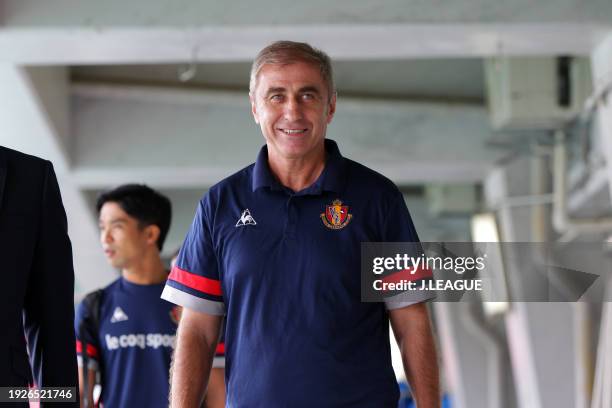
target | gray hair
x=289, y=52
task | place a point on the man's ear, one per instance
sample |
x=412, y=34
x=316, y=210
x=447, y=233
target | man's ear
x=254, y=108
x=331, y=108
x=152, y=233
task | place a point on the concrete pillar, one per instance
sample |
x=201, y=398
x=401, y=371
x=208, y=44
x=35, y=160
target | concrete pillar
x=601, y=63
x=542, y=339
x=475, y=356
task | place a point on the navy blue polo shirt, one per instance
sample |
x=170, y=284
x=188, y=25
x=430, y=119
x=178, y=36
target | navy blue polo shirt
x=132, y=344
x=284, y=267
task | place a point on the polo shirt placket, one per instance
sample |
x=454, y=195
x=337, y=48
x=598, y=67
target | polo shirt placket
x=292, y=214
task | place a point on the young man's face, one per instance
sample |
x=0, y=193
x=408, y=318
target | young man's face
x=292, y=106
x=122, y=239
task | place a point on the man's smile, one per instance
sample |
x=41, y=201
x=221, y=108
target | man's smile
x=293, y=131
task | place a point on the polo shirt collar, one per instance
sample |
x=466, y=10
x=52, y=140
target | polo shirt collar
x=262, y=176
x=332, y=178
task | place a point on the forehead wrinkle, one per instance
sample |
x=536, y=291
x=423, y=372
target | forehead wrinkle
x=310, y=88
x=303, y=89
x=274, y=72
x=275, y=89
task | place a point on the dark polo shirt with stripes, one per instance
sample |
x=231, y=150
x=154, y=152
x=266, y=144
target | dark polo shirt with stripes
x=284, y=267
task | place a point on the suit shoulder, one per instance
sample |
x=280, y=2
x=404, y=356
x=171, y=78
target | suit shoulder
x=20, y=157
x=24, y=167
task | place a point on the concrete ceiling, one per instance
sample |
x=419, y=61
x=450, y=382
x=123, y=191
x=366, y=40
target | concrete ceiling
x=163, y=13
x=71, y=32
x=445, y=79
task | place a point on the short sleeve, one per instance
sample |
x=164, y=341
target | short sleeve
x=86, y=337
x=194, y=281
x=398, y=227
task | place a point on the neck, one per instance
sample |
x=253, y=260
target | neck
x=298, y=173
x=148, y=270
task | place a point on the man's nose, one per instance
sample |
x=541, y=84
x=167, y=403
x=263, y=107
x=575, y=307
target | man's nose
x=105, y=236
x=293, y=109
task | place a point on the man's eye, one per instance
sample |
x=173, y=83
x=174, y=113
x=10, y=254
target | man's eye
x=308, y=96
x=276, y=97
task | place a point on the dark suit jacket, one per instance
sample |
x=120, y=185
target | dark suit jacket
x=36, y=275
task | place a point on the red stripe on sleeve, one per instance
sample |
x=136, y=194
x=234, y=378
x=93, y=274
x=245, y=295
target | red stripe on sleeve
x=408, y=275
x=91, y=350
x=220, y=348
x=205, y=285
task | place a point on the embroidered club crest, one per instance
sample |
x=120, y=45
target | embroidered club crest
x=336, y=215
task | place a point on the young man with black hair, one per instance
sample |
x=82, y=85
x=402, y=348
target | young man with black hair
x=128, y=333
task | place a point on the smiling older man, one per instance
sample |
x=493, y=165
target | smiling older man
x=288, y=280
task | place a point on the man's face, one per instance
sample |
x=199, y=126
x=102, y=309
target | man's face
x=122, y=239
x=292, y=106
